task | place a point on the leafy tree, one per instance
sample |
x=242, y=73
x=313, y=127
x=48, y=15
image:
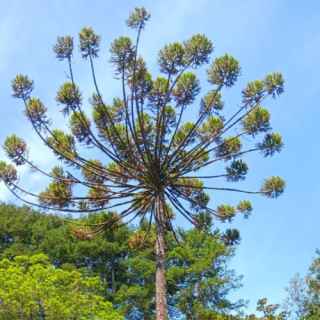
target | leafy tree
x=198, y=275
x=303, y=301
x=151, y=158
x=198, y=280
x=295, y=303
x=268, y=311
x=31, y=288
x=313, y=290
x=26, y=232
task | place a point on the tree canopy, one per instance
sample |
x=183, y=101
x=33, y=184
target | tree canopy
x=32, y=288
x=199, y=279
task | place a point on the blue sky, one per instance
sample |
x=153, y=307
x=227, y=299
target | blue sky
x=281, y=236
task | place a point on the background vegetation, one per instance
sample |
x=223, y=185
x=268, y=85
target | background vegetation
x=46, y=272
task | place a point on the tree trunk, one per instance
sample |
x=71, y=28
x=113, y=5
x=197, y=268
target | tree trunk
x=161, y=284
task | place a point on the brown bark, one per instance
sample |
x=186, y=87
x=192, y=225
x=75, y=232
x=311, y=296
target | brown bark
x=161, y=284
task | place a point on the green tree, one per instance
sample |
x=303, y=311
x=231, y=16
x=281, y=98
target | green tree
x=31, y=288
x=313, y=290
x=152, y=160
x=198, y=275
x=27, y=232
x=295, y=302
x=198, y=278
x=270, y=311
x=303, y=301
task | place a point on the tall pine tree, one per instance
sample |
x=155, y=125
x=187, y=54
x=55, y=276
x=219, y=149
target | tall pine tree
x=153, y=162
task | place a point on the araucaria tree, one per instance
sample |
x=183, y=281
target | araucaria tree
x=150, y=161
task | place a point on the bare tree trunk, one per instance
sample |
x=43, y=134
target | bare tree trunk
x=161, y=284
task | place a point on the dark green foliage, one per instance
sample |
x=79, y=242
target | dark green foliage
x=80, y=127
x=271, y=144
x=231, y=237
x=197, y=276
x=124, y=260
x=237, y=170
